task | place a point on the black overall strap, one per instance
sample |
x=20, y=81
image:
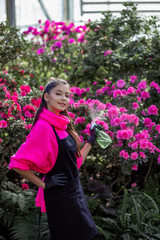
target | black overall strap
x=55, y=133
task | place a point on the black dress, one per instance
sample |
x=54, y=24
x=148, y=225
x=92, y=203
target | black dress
x=68, y=215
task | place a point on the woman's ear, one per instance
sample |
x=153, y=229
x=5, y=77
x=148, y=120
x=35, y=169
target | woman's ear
x=46, y=97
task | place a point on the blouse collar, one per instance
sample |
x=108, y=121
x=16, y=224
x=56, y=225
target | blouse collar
x=59, y=121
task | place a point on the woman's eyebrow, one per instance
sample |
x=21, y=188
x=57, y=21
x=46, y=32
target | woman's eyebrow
x=62, y=91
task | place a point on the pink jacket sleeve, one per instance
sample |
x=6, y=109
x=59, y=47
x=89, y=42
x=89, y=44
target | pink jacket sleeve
x=39, y=152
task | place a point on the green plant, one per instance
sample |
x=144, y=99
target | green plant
x=138, y=217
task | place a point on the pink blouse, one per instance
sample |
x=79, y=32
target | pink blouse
x=39, y=152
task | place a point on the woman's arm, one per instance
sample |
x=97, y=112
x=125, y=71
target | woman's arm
x=31, y=177
x=85, y=150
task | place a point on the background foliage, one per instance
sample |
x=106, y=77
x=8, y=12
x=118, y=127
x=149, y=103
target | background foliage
x=92, y=58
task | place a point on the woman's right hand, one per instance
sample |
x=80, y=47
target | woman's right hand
x=59, y=179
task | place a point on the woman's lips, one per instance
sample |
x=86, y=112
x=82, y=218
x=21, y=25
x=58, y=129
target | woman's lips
x=62, y=104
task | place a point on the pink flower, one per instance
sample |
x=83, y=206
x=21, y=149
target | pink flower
x=126, y=155
x=121, y=83
x=23, y=93
x=147, y=122
x=134, y=145
x=134, y=167
x=142, y=154
x=135, y=105
x=158, y=128
x=123, y=134
x=113, y=112
x=25, y=88
x=41, y=88
x=122, y=110
x=28, y=114
x=71, y=115
x=72, y=40
x=145, y=95
x=95, y=83
x=152, y=110
x=117, y=93
x=134, y=185
x=134, y=155
x=58, y=44
x=143, y=144
x=25, y=186
x=121, y=153
x=133, y=78
x=79, y=120
x=108, y=52
x=40, y=51
x=131, y=90
x=123, y=125
x=142, y=85
x=3, y=124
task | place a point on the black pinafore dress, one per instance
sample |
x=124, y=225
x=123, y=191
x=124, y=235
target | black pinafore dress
x=68, y=215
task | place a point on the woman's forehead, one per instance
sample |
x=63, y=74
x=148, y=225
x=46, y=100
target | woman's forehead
x=62, y=88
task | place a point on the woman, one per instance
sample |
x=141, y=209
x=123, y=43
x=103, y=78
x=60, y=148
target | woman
x=52, y=148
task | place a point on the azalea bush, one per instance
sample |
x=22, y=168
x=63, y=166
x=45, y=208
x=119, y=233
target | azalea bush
x=112, y=67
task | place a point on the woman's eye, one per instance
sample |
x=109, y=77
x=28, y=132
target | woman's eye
x=67, y=96
x=58, y=94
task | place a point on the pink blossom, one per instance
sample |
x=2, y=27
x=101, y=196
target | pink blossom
x=126, y=155
x=113, y=112
x=25, y=186
x=142, y=85
x=134, y=145
x=123, y=125
x=122, y=110
x=95, y=83
x=143, y=144
x=72, y=40
x=28, y=114
x=124, y=117
x=147, y=122
x=41, y=88
x=121, y=83
x=25, y=88
x=121, y=153
x=115, y=121
x=158, y=128
x=134, y=155
x=135, y=105
x=79, y=120
x=142, y=154
x=81, y=139
x=117, y=93
x=123, y=134
x=71, y=115
x=133, y=185
x=3, y=124
x=23, y=93
x=145, y=95
x=133, y=78
x=40, y=51
x=131, y=90
x=152, y=110
x=134, y=167
x=108, y=52
x=58, y=44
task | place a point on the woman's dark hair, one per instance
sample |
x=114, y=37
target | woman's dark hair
x=53, y=82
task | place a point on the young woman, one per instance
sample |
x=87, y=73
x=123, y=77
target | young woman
x=52, y=148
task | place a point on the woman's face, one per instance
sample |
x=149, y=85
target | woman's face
x=58, y=98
